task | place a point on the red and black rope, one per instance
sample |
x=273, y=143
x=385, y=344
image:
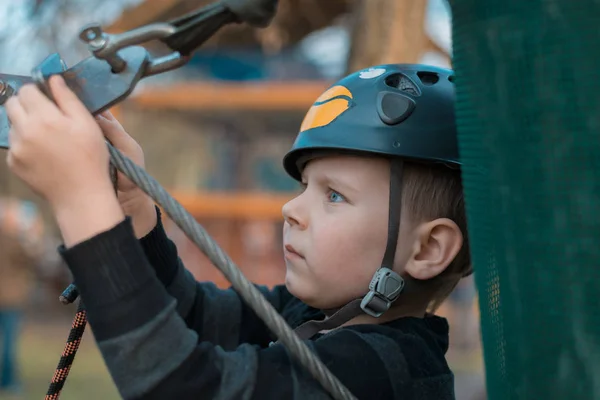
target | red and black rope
x=71, y=347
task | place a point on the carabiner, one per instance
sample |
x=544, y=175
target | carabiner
x=105, y=46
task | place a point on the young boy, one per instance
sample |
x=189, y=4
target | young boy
x=379, y=145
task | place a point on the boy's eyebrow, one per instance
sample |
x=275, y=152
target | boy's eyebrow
x=338, y=183
x=331, y=181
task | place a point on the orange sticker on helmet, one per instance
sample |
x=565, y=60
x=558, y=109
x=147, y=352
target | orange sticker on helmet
x=330, y=105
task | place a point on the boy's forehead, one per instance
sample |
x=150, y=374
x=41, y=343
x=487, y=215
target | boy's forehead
x=356, y=169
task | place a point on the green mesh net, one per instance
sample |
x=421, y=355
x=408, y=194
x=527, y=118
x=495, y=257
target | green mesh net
x=528, y=110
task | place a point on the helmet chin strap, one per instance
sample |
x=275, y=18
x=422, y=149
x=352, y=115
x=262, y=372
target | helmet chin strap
x=386, y=285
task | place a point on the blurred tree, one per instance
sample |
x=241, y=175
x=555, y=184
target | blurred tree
x=389, y=31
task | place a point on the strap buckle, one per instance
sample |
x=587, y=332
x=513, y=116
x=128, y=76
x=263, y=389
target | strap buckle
x=384, y=289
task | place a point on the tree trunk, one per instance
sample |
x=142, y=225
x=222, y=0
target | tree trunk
x=388, y=32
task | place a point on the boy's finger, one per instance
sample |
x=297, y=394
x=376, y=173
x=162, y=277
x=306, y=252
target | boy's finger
x=108, y=121
x=108, y=115
x=66, y=100
x=34, y=101
x=113, y=131
x=15, y=112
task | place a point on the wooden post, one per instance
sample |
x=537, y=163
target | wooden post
x=389, y=31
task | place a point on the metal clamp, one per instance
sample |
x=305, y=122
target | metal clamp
x=106, y=46
x=5, y=91
x=9, y=85
x=52, y=65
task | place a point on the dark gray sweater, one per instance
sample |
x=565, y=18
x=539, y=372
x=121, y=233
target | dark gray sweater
x=165, y=336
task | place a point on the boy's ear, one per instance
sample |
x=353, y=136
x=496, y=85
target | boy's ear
x=435, y=246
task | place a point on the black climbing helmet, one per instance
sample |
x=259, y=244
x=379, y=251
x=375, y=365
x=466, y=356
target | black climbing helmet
x=398, y=110
x=401, y=111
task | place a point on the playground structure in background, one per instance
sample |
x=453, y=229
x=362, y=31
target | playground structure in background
x=247, y=221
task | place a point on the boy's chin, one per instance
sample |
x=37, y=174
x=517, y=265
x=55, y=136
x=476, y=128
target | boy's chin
x=305, y=291
x=292, y=286
x=308, y=297
x=299, y=290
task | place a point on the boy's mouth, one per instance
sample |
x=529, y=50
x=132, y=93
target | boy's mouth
x=290, y=252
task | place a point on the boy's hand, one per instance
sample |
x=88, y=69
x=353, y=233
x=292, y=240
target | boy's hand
x=57, y=149
x=134, y=202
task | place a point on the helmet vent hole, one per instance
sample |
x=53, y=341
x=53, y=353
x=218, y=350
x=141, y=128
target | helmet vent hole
x=428, y=78
x=451, y=78
x=401, y=82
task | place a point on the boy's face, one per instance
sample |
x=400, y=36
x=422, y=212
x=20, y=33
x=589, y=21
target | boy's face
x=335, y=231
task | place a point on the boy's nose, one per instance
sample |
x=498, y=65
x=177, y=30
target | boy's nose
x=292, y=213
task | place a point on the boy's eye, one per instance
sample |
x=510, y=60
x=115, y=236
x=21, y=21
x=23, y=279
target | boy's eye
x=335, y=197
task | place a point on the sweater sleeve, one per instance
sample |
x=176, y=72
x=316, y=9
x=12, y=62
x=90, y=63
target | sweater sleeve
x=216, y=315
